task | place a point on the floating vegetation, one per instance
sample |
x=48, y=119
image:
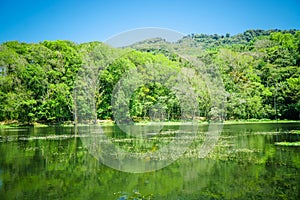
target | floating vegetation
x=268, y=133
x=136, y=195
x=288, y=144
x=240, y=155
x=12, y=138
x=295, y=131
x=11, y=129
x=148, y=147
x=156, y=146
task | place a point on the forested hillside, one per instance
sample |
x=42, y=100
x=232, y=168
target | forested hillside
x=260, y=72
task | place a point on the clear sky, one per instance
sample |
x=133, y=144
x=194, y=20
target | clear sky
x=83, y=21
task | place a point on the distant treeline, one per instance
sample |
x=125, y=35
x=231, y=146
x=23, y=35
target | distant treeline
x=260, y=72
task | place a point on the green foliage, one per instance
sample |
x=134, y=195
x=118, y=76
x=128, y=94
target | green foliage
x=38, y=81
x=47, y=81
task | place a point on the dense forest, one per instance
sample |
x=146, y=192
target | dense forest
x=260, y=71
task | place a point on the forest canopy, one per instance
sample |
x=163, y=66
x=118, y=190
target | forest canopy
x=259, y=69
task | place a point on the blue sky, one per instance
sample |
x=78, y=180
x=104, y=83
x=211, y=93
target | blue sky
x=83, y=21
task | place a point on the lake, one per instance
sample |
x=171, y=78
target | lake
x=53, y=163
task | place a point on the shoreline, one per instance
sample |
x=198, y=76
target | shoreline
x=111, y=123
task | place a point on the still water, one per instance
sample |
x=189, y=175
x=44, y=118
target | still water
x=50, y=163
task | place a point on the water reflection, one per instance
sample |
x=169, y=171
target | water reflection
x=245, y=164
x=0, y=178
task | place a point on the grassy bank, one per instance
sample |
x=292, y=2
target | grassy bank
x=242, y=121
